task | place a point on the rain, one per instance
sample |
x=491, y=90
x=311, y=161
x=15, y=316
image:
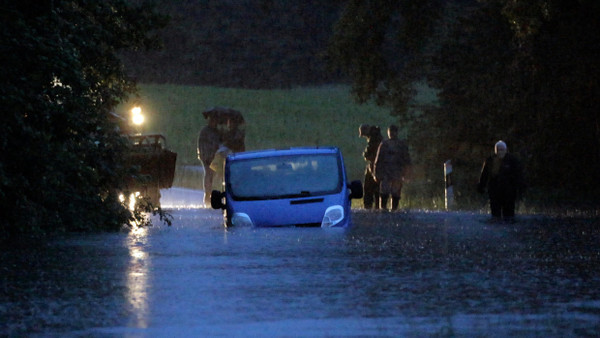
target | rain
x=460, y=81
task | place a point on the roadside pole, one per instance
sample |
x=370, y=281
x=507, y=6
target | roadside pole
x=449, y=191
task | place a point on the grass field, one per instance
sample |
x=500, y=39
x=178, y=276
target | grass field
x=274, y=118
x=324, y=116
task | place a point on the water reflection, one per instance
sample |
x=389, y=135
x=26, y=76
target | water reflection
x=137, y=277
x=392, y=274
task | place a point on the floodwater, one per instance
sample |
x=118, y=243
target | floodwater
x=411, y=273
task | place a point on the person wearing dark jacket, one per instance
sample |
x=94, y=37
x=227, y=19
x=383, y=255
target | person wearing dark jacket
x=502, y=176
x=371, y=188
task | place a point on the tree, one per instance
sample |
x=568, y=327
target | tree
x=385, y=47
x=61, y=156
x=558, y=53
x=519, y=70
x=530, y=77
x=381, y=45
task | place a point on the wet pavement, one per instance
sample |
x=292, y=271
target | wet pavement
x=409, y=273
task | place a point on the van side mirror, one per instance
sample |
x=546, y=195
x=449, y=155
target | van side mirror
x=356, y=189
x=216, y=199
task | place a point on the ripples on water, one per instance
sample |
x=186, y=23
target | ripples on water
x=392, y=273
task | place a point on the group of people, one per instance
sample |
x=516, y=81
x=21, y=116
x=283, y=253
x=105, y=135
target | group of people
x=224, y=133
x=388, y=164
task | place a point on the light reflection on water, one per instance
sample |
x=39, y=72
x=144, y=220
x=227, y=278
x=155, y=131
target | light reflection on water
x=137, y=277
x=177, y=197
x=392, y=274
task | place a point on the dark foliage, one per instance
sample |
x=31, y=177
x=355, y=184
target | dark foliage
x=532, y=83
x=60, y=153
x=523, y=71
x=381, y=45
x=244, y=44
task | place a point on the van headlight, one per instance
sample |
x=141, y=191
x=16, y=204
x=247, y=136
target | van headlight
x=241, y=219
x=333, y=215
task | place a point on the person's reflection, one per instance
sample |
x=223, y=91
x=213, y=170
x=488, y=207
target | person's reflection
x=137, y=278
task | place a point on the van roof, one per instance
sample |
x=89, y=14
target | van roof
x=283, y=152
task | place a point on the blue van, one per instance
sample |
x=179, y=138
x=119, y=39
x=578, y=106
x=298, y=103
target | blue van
x=287, y=187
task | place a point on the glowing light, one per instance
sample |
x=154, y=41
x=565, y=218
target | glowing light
x=136, y=115
x=130, y=201
x=138, y=119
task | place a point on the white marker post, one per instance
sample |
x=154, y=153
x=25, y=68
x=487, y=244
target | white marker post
x=449, y=188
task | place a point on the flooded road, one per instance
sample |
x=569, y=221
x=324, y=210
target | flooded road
x=393, y=274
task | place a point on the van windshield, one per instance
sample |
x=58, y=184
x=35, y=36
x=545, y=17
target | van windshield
x=285, y=176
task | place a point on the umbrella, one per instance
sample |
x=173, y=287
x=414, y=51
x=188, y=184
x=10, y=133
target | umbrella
x=224, y=114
